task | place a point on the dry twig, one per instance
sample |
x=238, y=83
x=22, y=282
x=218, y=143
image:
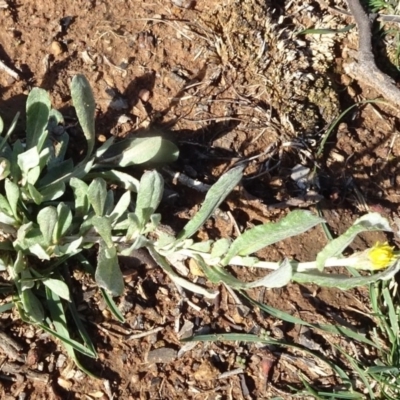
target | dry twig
x=365, y=69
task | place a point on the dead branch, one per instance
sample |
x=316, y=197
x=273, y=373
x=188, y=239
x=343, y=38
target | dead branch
x=365, y=69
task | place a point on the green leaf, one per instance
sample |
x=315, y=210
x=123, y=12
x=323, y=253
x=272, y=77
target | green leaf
x=12, y=194
x=344, y=282
x=105, y=146
x=73, y=247
x=18, y=148
x=58, y=287
x=220, y=247
x=53, y=192
x=132, y=151
x=19, y=264
x=80, y=189
x=6, y=307
x=167, y=153
x=277, y=278
x=97, y=194
x=37, y=115
x=295, y=223
x=28, y=160
x=39, y=251
x=64, y=220
x=47, y=220
x=33, y=175
x=108, y=273
x=109, y=203
x=56, y=174
x=3, y=141
x=5, y=205
x=121, y=207
x=35, y=195
x=134, y=226
x=367, y=223
x=32, y=305
x=149, y=196
x=215, y=196
x=103, y=227
x=122, y=179
x=85, y=107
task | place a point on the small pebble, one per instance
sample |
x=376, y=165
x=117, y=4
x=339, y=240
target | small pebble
x=144, y=95
x=56, y=48
x=162, y=355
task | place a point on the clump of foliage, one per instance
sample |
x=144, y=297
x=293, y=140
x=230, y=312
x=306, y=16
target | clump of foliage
x=53, y=210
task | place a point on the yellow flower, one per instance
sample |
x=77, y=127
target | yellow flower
x=381, y=255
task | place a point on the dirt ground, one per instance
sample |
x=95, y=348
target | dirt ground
x=228, y=81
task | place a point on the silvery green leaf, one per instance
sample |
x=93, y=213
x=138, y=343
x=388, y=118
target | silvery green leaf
x=295, y=223
x=1, y=125
x=138, y=243
x=109, y=203
x=64, y=220
x=80, y=190
x=37, y=114
x=4, y=168
x=38, y=251
x=104, y=147
x=164, y=239
x=19, y=264
x=220, y=247
x=149, y=196
x=344, y=282
x=103, y=227
x=47, y=220
x=97, y=194
x=32, y=306
x=368, y=222
x=132, y=151
x=53, y=192
x=56, y=174
x=215, y=196
x=73, y=247
x=108, y=273
x=278, y=278
x=6, y=219
x=28, y=160
x=34, y=194
x=45, y=154
x=85, y=107
x=121, y=207
x=134, y=226
x=203, y=247
x=33, y=175
x=5, y=205
x=59, y=287
x=163, y=263
x=18, y=148
x=27, y=281
x=122, y=179
x=12, y=194
x=3, y=141
x=167, y=153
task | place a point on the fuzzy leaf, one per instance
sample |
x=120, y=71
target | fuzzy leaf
x=59, y=287
x=85, y=107
x=149, y=196
x=264, y=235
x=215, y=196
x=35, y=195
x=12, y=194
x=28, y=160
x=37, y=114
x=344, y=282
x=80, y=189
x=122, y=179
x=108, y=273
x=32, y=306
x=47, y=220
x=97, y=195
x=103, y=227
x=64, y=220
x=368, y=222
x=121, y=207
